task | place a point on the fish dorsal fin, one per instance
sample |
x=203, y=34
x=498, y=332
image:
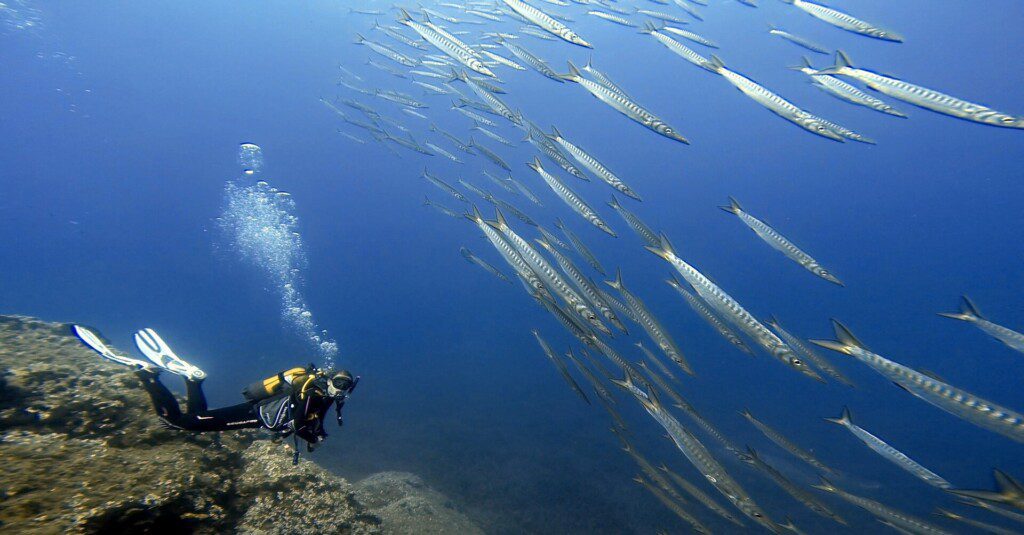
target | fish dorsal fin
x=932, y=375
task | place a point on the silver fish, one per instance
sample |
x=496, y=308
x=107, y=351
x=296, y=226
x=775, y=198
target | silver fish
x=492, y=101
x=533, y=198
x=701, y=496
x=580, y=247
x=538, y=139
x=473, y=259
x=686, y=34
x=842, y=20
x=797, y=40
x=443, y=152
x=592, y=164
x=451, y=137
x=431, y=88
x=396, y=35
x=701, y=308
x=661, y=16
x=781, y=441
x=446, y=45
x=545, y=22
x=970, y=313
x=651, y=325
x=733, y=311
x=441, y=208
x=503, y=60
x=570, y=197
x=1010, y=493
x=673, y=505
x=706, y=464
x=584, y=284
x=799, y=494
x=888, y=452
x=548, y=274
x=776, y=104
x=678, y=48
x=444, y=186
x=897, y=518
x=381, y=67
x=501, y=183
x=779, y=242
x=844, y=91
x=624, y=105
x=353, y=138
x=386, y=51
x=602, y=391
x=650, y=356
x=809, y=354
x=489, y=154
x=612, y=18
x=530, y=59
x=511, y=255
x=976, y=524
x=951, y=399
x=475, y=117
x=924, y=97
x=492, y=135
x=562, y=370
x=639, y=227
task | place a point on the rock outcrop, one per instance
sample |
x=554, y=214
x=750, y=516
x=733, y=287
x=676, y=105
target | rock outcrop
x=83, y=453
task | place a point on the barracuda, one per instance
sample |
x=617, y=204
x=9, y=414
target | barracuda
x=545, y=22
x=651, y=325
x=592, y=165
x=842, y=20
x=844, y=91
x=570, y=197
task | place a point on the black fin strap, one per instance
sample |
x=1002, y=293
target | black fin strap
x=295, y=458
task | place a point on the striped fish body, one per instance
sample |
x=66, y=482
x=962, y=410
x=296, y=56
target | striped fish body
x=538, y=64
x=388, y=52
x=583, y=283
x=1013, y=339
x=892, y=454
x=702, y=497
x=733, y=311
x=595, y=167
x=798, y=493
x=680, y=49
x=776, y=104
x=510, y=255
x=570, y=198
x=639, y=227
x=781, y=441
x=604, y=80
x=657, y=362
x=611, y=18
x=898, y=519
x=441, y=208
x=536, y=137
x=443, y=152
x=469, y=256
x=845, y=21
x=492, y=156
x=519, y=214
x=779, y=242
x=549, y=275
x=458, y=143
x=661, y=16
x=503, y=60
x=450, y=48
x=492, y=101
x=475, y=116
x=654, y=329
x=628, y=107
x=704, y=312
x=707, y=465
x=809, y=354
x=799, y=41
x=951, y=399
x=933, y=100
x=584, y=251
x=545, y=22
x=839, y=129
x=685, y=34
x=850, y=93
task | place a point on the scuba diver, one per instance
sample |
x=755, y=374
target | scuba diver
x=293, y=402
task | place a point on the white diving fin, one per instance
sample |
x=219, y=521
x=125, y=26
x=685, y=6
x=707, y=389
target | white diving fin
x=92, y=340
x=156, y=350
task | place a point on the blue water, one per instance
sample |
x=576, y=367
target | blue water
x=121, y=123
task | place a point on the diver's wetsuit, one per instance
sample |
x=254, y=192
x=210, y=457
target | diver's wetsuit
x=197, y=417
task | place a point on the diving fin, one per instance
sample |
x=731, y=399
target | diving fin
x=92, y=339
x=156, y=350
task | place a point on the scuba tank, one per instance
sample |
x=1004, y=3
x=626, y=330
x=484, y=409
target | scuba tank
x=276, y=384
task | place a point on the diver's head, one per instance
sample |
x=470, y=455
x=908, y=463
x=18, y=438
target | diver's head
x=339, y=383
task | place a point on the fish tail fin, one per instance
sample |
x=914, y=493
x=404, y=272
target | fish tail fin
x=456, y=75
x=968, y=312
x=664, y=249
x=845, y=420
x=617, y=283
x=574, y=73
x=773, y=322
x=614, y=203
x=500, y=218
x=842, y=61
x=590, y=63
x=771, y=26
x=360, y=39
x=648, y=28
x=787, y=1
x=554, y=132
x=674, y=282
x=824, y=484
x=426, y=201
x=844, y=342
x=805, y=63
x=403, y=15
x=476, y=216
x=947, y=514
x=746, y=414
x=733, y=208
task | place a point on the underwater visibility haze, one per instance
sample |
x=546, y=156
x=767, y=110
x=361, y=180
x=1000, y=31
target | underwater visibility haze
x=589, y=283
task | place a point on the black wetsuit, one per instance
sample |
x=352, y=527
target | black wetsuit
x=303, y=417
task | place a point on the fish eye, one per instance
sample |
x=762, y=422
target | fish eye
x=797, y=362
x=758, y=515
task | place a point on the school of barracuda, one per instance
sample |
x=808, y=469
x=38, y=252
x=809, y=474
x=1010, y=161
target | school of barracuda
x=474, y=46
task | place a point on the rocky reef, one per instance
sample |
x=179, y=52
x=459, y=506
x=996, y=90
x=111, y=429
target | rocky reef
x=83, y=453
